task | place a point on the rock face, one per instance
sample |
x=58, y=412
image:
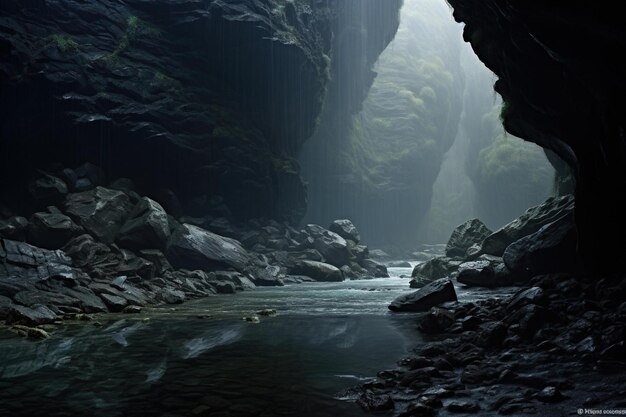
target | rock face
x=436, y=268
x=100, y=211
x=319, y=271
x=432, y=294
x=191, y=247
x=146, y=227
x=571, y=93
x=464, y=236
x=130, y=64
x=551, y=249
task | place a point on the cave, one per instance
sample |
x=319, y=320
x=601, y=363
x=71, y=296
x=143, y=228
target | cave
x=311, y=207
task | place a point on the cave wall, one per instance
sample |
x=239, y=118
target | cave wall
x=378, y=149
x=561, y=75
x=208, y=98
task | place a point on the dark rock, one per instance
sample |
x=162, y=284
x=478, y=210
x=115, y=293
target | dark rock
x=491, y=334
x=91, y=174
x=22, y=261
x=333, y=247
x=269, y=276
x=550, y=395
x=480, y=274
x=374, y=402
x=463, y=407
x=319, y=271
x=51, y=230
x=528, y=223
x=37, y=297
x=551, y=249
x=465, y=235
x=100, y=211
x=158, y=259
x=88, y=301
x=31, y=316
x=191, y=247
x=5, y=306
x=475, y=374
x=345, y=229
x=147, y=227
x=169, y=201
x=533, y=295
x=114, y=303
x=419, y=410
x=470, y=322
x=530, y=318
x=225, y=287
x=170, y=296
x=14, y=228
x=435, y=268
x=47, y=189
x=374, y=268
x=119, y=282
x=436, y=321
x=430, y=295
x=131, y=310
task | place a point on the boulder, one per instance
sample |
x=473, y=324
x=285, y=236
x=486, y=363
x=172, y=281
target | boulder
x=100, y=211
x=114, y=303
x=31, y=316
x=21, y=261
x=464, y=236
x=158, y=259
x=431, y=295
x=147, y=227
x=191, y=247
x=14, y=228
x=319, y=271
x=551, y=249
x=333, y=247
x=269, y=276
x=5, y=306
x=345, y=229
x=51, y=230
x=88, y=176
x=433, y=269
x=530, y=222
x=379, y=254
x=374, y=268
x=481, y=274
x=170, y=296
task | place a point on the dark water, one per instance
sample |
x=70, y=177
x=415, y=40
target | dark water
x=202, y=359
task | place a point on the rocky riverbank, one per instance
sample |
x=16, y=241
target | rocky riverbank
x=554, y=347
x=89, y=246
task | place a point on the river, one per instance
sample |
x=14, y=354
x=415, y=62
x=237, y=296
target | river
x=202, y=359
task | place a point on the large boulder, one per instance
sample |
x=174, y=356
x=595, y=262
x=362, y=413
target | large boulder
x=530, y=222
x=487, y=271
x=551, y=249
x=345, y=229
x=319, y=271
x=465, y=235
x=100, y=211
x=431, y=295
x=333, y=247
x=51, y=230
x=21, y=261
x=191, y=247
x=432, y=270
x=146, y=227
x=31, y=316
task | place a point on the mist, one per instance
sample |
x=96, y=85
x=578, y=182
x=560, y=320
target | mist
x=426, y=151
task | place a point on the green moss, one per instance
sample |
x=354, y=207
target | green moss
x=63, y=43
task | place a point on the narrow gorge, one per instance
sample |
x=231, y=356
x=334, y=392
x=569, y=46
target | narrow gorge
x=311, y=208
